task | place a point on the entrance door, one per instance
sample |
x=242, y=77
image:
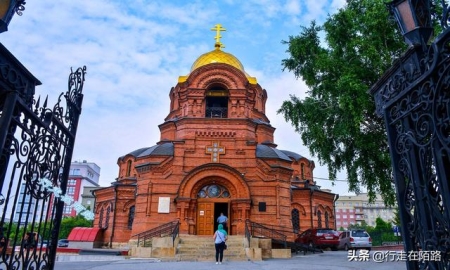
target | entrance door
x=221, y=207
x=205, y=218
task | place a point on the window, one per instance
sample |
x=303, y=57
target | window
x=213, y=191
x=131, y=217
x=319, y=219
x=128, y=168
x=302, y=170
x=67, y=210
x=295, y=215
x=216, y=103
x=327, y=224
x=70, y=190
x=72, y=182
x=344, y=216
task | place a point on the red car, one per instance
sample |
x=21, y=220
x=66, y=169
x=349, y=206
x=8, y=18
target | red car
x=320, y=238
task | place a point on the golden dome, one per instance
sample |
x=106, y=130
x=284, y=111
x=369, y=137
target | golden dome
x=217, y=56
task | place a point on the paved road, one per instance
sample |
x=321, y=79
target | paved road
x=333, y=260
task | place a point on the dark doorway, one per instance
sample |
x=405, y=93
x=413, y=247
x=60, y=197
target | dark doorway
x=221, y=208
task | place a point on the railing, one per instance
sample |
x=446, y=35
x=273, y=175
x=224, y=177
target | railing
x=248, y=234
x=216, y=112
x=259, y=230
x=171, y=228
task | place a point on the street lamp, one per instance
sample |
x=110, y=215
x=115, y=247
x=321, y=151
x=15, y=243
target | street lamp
x=414, y=20
x=7, y=10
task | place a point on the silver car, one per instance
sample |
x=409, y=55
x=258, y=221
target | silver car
x=355, y=239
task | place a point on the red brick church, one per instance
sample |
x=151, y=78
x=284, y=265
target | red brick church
x=216, y=154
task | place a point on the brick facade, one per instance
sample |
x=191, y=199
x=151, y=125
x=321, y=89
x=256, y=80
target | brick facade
x=216, y=154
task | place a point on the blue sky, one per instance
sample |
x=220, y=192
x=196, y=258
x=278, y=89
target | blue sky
x=134, y=53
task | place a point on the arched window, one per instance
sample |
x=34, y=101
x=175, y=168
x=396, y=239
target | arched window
x=216, y=103
x=131, y=217
x=327, y=224
x=104, y=221
x=319, y=219
x=100, y=219
x=128, y=168
x=213, y=191
x=295, y=215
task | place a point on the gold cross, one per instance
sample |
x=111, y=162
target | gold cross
x=215, y=150
x=218, y=27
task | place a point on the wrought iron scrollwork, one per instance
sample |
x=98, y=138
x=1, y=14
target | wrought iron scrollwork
x=20, y=7
x=39, y=142
x=416, y=109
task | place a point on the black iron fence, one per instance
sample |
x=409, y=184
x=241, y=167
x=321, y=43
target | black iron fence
x=36, y=143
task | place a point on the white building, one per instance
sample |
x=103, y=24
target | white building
x=353, y=209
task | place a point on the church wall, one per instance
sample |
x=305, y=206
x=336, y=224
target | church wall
x=321, y=201
x=180, y=177
x=265, y=134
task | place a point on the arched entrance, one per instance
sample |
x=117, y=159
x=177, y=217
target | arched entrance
x=209, y=190
x=212, y=200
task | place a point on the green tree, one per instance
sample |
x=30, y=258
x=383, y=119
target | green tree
x=68, y=223
x=337, y=119
x=396, y=220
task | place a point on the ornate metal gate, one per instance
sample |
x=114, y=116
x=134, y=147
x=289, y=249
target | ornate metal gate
x=36, y=144
x=414, y=99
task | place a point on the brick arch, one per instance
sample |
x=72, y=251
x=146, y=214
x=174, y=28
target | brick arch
x=299, y=207
x=321, y=208
x=128, y=205
x=103, y=205
x=328, y=209
x=220, y=174
x=227, y=75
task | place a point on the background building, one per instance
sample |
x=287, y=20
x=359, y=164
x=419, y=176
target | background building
x=87, y=198
x=82, y=174
x=355, y=209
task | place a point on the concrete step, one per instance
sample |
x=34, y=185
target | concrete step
x=202, y=248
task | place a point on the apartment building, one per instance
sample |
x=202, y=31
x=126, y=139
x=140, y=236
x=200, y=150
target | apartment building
x=353, y=209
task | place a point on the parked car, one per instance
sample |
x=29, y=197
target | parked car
x=319, y=238
x=355, y=239
x=63, y=243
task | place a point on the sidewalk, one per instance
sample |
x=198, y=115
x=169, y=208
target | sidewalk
x=336, y=260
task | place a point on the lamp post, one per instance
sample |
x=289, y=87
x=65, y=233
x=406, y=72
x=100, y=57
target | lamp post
x=413, y=97
x=7, y=10
x=414, y=20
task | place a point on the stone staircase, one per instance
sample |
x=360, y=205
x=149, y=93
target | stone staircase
x=201, y=248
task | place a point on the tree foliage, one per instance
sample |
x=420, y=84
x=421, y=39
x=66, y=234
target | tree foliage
x=337, y=119
x=396, y=220
x=68, y=223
